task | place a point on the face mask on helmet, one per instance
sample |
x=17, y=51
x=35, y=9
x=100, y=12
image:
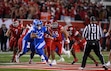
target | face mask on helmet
x=54, y=25
x=16, y=23
x=39, y=25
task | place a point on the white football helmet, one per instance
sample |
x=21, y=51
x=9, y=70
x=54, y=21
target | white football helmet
x=16, y=23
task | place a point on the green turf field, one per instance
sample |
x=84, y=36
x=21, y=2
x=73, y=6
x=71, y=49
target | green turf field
x=21, y=70
x=5, y=58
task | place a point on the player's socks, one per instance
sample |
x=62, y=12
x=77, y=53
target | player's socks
x=31, y=55
x=68, y=53
x=30, y=61
x=42, y=57
x=61, y=59
x=17, y=58
x=44, y=60
x=13, y=58
x=75, y=60
x=96, y=63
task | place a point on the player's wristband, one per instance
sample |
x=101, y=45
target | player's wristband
x=67, y=40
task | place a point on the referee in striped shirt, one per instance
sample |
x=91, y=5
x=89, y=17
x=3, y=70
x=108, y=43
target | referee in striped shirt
x=92, y=33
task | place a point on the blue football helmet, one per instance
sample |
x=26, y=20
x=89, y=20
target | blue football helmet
x=35, y=22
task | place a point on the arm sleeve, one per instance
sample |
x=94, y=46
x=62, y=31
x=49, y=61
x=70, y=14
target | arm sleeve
x=101, y=32
x=84, y=34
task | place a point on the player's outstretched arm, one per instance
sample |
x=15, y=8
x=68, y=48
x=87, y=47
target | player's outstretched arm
x=65, y=32
x=8, y=33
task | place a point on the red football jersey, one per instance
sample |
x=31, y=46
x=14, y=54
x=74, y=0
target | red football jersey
x=58, y=33
x=76, y=37
x=71, y=31
x=48, y=38
x=24, y=33
x=15, y=31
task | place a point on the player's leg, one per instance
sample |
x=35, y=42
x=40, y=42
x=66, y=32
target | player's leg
x=53, y=47
x=2, y=46
x=67, y=52
x=97, y=51
x=11, y=43
x=49, y=44
x=24, y=48
x=5, y=44
x=92, y=58
x=71, y=46
x=47, y=50
x=109, y=59
x=19, y=46
x=74, y=56
x=59, y=46
x=32, y=48
x=87, y=50
x=23, y=51
x=40, y=50
x=15, y=49
x=42, y=55
x=63, y=51
x=81, y=44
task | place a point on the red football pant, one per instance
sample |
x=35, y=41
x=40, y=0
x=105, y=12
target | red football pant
x=57, y=44
x=20, y=44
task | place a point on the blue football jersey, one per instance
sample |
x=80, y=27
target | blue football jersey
x=27, y=36
x=40, y=34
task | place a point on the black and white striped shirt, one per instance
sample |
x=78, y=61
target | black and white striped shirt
x=92, y=32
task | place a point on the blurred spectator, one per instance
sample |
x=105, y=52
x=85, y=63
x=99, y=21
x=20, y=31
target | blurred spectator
x=72, y=13
x=1, y=10
x=103, y=45
x=77, y=16
x=0, y=39
x=3, y=40
x=31, y=9
x=7, y=9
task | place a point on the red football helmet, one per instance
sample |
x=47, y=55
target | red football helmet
x=15, y=22
x=55, y=25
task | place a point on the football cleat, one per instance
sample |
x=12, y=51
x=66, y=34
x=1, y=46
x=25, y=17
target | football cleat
x=75, y=60
x=61, y=60
x=53, y=62
x=81, y=68
x=108, y=64
x=17, y=58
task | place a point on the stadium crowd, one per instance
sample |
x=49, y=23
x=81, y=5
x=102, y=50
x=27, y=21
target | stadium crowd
x=57, y=9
